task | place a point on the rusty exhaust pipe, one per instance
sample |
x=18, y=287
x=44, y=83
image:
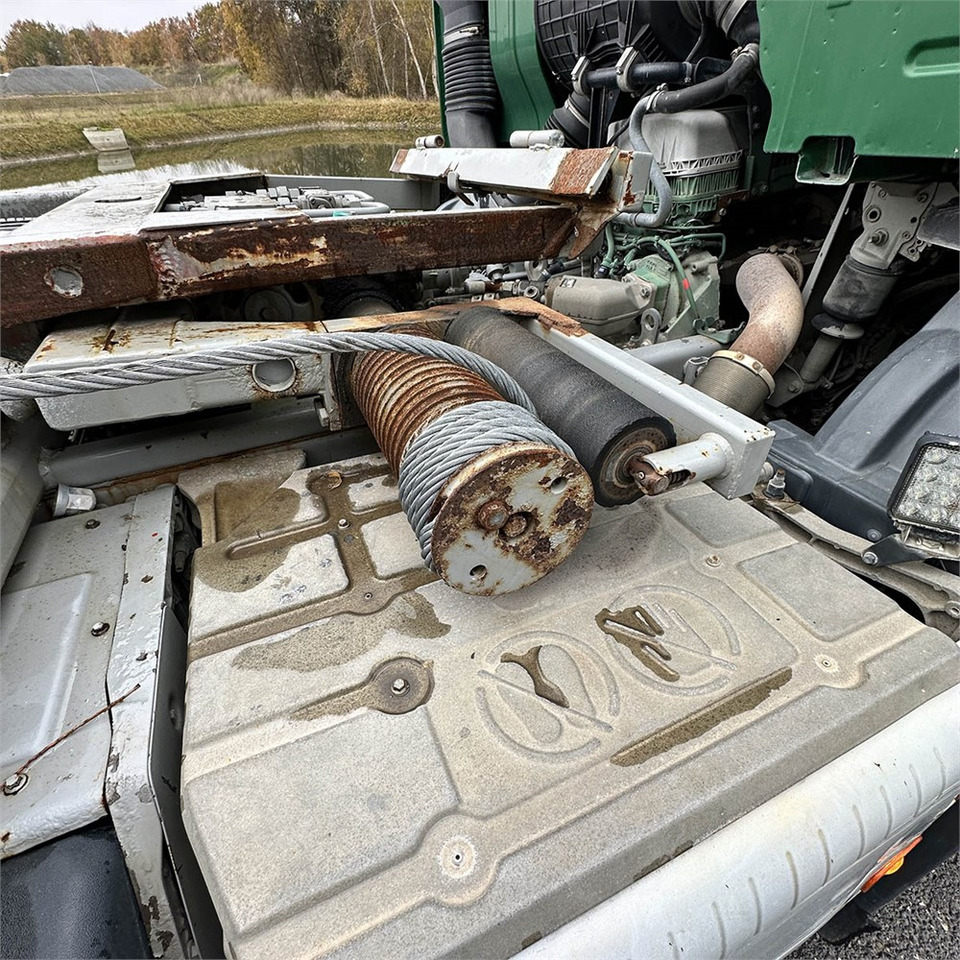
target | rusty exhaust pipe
x=742, y=377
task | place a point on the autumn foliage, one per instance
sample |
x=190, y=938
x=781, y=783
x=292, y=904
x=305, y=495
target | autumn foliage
x=359, y=47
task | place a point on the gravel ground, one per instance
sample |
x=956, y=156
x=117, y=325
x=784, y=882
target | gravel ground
x=921, y=924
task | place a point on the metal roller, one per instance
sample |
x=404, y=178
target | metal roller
x=605, y=428
x=496, y=499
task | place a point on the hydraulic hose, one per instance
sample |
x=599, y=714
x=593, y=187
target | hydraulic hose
x=742, y=377
x=471, y=95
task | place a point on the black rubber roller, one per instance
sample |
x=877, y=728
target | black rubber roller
x=605, y=427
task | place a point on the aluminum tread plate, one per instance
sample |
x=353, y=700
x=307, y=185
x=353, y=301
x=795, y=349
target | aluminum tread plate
x=510, y=800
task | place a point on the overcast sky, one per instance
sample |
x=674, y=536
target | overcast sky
x=112, y=14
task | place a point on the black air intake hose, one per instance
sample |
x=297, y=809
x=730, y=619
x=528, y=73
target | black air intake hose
x=471, y=96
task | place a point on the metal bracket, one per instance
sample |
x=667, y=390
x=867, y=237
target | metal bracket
x=692, y=414
x=597, y=183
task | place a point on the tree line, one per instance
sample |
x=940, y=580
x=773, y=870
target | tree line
x=358, y=47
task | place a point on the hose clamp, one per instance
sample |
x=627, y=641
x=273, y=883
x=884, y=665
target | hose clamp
x=626, y=61
x=751, y=364
x=577, y=75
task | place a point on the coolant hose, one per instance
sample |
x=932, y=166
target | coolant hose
x=657, y=178
x=742, y=377
x=471, y=95
x=740, y=71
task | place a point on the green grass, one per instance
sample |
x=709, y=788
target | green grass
x=43, y=126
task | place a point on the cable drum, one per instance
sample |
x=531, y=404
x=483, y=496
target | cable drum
x=496, y=498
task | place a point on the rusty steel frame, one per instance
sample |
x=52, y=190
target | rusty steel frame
x=143, y=265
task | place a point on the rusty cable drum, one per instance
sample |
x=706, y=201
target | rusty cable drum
x=496, y=498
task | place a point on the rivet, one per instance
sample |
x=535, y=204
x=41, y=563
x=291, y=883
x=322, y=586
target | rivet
x=99, y=628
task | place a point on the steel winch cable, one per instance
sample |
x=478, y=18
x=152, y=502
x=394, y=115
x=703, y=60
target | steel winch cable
x=28, y=384
x=495, y=498
x=451, y=441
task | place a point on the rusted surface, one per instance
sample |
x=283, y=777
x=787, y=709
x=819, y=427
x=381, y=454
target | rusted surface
x=768, y=289
x=578, y=170
x=526, y=309
x=113, y=269
x=548, y=491
x=399, y=394
x=161, y=265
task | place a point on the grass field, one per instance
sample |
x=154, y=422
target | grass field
x=32, y=127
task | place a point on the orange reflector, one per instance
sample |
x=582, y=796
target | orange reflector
x=892, y=865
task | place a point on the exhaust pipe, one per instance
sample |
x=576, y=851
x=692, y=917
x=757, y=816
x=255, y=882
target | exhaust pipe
x=742, y=377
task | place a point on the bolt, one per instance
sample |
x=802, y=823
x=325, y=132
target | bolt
x=650, y=481
x=712, y=561
x=794, y=388
x=400, y=687
x=343, y=523
x=516, y=526
x=14, y=784
x=92, y=524
x=879, y=237
x=99, y=628
x=874, y=535
x=952, y=609
x=493, y=514
x=870, y=558
x=776, y=487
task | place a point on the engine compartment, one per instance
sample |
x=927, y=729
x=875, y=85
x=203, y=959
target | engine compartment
x=461, y=548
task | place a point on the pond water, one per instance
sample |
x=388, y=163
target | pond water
x=348, y=153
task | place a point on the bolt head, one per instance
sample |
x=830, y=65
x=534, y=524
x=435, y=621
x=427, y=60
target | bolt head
x=516, y=526
x=99, y=628
x=713, y=561
x=343, y=523
x=870, y=558
x=493, y=514
x=952, y=609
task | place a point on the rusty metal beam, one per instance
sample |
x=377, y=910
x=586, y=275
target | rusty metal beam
x=71, y=272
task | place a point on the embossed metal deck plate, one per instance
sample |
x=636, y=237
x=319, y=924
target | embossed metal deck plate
x=378, y=765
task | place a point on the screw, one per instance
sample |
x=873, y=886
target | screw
x=870, y=558
x=399, y=687
x=712, y=561
x=14, y=784
x=952, y=609
x=92, y=524
x=99, y=628
x=874, y=535
x=343, y=523
x=493, y=514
